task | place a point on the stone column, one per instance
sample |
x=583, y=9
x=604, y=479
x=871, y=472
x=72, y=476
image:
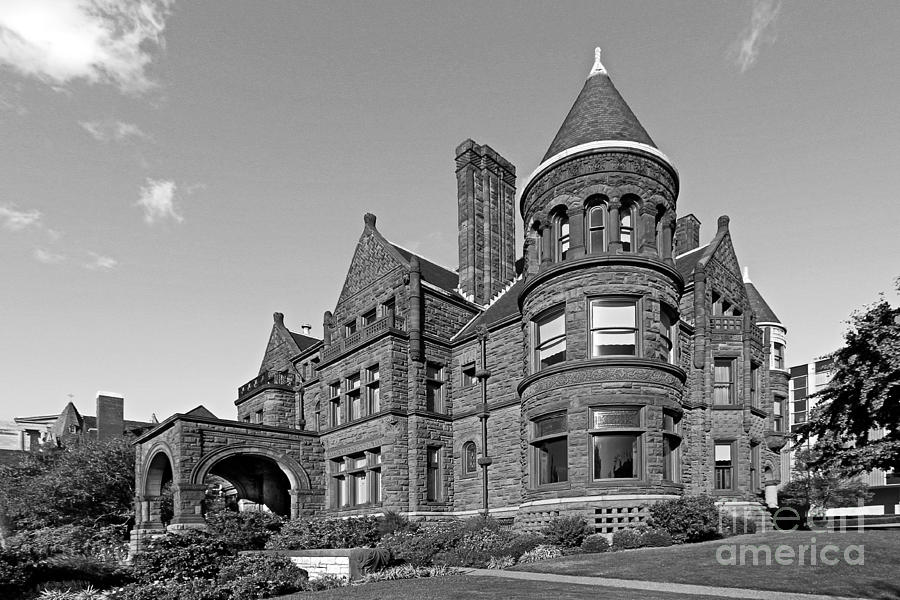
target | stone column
x=576, y=233
x=647, y=218
x=188, y=506
x=615, y=242
x=546, y=232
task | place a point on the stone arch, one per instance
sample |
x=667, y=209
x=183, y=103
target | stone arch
x=155, y=469
x=294, y=471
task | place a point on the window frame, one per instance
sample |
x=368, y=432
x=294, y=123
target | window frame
x=731, y=384
x=600, y=207
x=350, y=327
x=778, y=415
x=536, y=443
x=778, y=356
x=562, y=235
x=439, y=401
x=628, y=208
x=335, y=409
x=465, y=469
x=370, y=316
x=671, y=333
x=353, y=395
x=344, y=476
x=732, y=466
x=755, y=384
x=373, y=389
x=434, y=491
x=467, y=375
x=671, y=449
x=637, y=304
x=636, y=430
x=545, y=318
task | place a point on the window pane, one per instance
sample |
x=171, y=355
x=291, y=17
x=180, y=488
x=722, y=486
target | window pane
x=375, y=484
x=723, y=466
x=552, y=327
x=550, y=425
x=552, y=353
x=606, y=343
x=615, y=456
x=723, y=454
x=612, y=313
x=470, y=460
x=613, y=327
x=615, y=417
x=552, y=461
x=360, y=489
x=723, y=372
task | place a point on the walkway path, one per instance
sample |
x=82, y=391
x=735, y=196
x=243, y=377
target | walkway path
x=657, y=586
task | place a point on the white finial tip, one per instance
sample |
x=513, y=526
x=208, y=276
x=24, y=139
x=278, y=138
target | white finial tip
x=598, y=66
x=747, y=275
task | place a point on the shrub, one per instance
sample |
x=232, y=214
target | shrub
x=542, y=552
x=392, y=522
x=313, y=534
x=596, y=542
x=243, y=530
x=418, y=548
x=730, y=524
x=104, y=543
x=686, y=519
x=257, y=576
x=194, y=589
x=479, y=548
x=655, y=538
x=480, y=523
x=181, y=557
x=640, y=537
x=79, y=571
x=408, y=572
x=566, y=532
x=15, y=572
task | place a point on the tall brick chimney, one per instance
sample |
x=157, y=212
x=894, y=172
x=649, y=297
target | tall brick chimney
x=110, y=415
x=687, y=234
x=486, y=191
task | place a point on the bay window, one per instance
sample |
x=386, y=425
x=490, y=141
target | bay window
x=723, y=393
x=615, y=443
x=550, y=338
x=550, y=450
x=614, y=330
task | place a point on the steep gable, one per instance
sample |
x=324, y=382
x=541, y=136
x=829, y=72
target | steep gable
x=373, y=258
x=281, y=348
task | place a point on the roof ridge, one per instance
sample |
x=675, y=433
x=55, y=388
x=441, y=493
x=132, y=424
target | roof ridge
x=437, y=264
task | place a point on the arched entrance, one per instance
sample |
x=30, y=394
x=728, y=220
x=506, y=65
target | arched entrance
x=257, y=479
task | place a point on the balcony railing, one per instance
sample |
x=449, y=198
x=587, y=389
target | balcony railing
x=268, y=378
x=724, y=324
x=361, y=336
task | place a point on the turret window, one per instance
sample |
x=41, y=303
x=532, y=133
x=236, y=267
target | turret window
x=596, y=229
x=550, y=450
x=561, y=230
x=668, y=326
x=550, y=338
x=613, y=327
x=627, y=219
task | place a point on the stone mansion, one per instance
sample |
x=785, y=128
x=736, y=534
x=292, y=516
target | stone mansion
x=615, y=362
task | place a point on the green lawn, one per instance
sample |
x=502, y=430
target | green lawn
x=697, y=564
x=465, y=587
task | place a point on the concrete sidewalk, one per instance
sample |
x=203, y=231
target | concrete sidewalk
x=657, y=586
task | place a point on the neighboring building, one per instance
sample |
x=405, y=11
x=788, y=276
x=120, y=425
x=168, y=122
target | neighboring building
x=809, y=379
x=69, y=426
x=623, y=362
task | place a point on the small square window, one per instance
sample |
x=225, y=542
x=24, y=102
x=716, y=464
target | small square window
x=468, y=375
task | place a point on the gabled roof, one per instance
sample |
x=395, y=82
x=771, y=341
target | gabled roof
x=685, y=263
x=599, y=114
x=303, y=342
x=432, y=273
x=503, y=307
x=764, y=313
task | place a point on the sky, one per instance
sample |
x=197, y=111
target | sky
x=172, y=173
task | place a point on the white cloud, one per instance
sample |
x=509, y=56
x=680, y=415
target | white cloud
x=107, y=131
x=158, y=201
x=13, y=219
x=47, y=257
x=746, y=49
x=99, y=262
x=98, y=41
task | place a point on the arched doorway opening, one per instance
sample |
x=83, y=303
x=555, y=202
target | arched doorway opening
x=258, y=482
x=158, y=492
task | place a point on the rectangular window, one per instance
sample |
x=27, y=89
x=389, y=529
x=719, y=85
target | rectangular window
x=389, y=307
x=668, y=324
x=778, y=356
x=373, y=390
x=433, y=474
x=550, y=450
x=778, y=414
x=562, y=237
x=468, y=375
x=724, y=465
x=671, y=445
x=724, y=381
x=357, y=479
x=434, y=388
x=754, y=468
x=613, y=327
x=550, y=338
x=354, y=398
x=369, y=317
x=335, y=414
x=754, y=385
x=349, y=328
x=615, y=450
x=258, y=417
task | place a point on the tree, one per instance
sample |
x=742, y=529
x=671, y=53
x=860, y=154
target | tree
x=90, y=483
x=863, y=397
x=816, y=485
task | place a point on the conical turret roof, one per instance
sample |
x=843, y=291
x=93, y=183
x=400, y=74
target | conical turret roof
x=599, y=114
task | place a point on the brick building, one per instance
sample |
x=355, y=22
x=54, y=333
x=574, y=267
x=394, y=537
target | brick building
x=612, y=363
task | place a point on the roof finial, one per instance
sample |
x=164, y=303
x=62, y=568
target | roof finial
x=598, y=66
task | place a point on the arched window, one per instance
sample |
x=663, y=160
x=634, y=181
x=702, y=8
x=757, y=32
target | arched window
x=627, y=217
x=561, y=235
x=470, y=458
x=596, y=228
x=660, y=230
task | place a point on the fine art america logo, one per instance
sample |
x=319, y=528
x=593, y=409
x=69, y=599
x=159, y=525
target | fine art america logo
x=815, y=552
